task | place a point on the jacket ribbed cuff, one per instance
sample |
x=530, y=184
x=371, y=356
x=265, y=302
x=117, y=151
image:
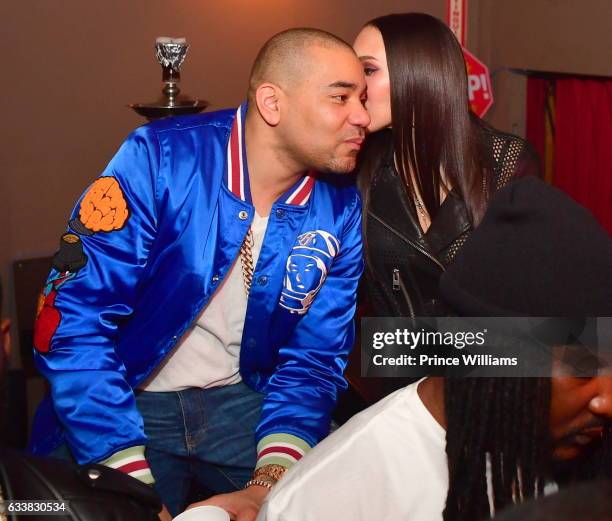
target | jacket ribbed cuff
x=131, y=461
x=280, y=449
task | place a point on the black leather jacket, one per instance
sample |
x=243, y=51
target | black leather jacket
x=404, y=264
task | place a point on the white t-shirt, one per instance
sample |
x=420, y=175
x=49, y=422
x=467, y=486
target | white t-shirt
x=386, y=463
x=208, y=354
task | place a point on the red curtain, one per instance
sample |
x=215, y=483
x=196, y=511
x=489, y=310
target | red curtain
x=583, y=144
x=536, y=106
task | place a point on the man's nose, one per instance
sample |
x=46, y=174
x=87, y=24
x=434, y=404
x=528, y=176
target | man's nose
x=601, y=404
x=359, y=116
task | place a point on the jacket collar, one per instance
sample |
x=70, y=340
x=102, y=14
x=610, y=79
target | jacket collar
x=451, y=221
x=237, y=175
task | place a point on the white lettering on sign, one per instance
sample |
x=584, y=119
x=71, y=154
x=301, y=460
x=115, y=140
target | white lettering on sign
x=478, y=82
x=480, y=91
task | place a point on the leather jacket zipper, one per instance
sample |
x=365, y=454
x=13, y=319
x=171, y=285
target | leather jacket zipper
x=396, y=280
x=398, y=285
x=416, y=246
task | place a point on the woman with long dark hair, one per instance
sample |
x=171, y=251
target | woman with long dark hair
x=429, y=166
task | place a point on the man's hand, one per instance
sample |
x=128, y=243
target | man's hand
x=164, y=515
x=243, y=505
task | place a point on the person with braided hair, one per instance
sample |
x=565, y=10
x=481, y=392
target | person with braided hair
x=459, y=449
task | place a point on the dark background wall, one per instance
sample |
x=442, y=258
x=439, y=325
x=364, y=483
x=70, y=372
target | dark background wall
x=569, y=36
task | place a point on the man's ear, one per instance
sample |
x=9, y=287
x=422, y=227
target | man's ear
x=5, y=337
x=268, y=99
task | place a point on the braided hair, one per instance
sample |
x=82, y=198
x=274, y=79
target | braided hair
x=504, y=423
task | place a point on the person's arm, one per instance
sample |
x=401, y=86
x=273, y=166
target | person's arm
x=302, y=392
x=90, y=292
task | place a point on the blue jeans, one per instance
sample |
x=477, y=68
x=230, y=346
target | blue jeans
x=200, y=438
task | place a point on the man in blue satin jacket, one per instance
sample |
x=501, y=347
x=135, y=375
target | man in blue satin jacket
x=202, y=298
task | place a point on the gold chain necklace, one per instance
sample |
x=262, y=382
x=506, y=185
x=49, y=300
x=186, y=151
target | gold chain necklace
x=246, y=260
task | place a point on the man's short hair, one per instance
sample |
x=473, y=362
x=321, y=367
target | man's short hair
x=282, y=56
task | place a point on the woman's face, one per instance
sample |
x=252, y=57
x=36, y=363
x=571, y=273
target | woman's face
x=370, y=48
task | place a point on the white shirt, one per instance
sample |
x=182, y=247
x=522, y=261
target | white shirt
x=208, y=354
x=386, y=463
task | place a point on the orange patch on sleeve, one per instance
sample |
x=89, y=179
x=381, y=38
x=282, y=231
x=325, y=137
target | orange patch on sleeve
x=104, y=208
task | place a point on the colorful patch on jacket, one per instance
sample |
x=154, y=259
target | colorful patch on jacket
x=70, y=256
x=307, y=268
x=48, y=317
x=103, y=208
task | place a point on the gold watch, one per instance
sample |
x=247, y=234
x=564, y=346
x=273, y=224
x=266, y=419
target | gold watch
x=273, y=471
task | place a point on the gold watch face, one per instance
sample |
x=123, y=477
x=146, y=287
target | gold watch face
x=274, y=471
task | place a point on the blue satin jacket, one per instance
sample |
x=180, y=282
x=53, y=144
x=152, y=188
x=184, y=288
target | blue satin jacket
x=146, y=247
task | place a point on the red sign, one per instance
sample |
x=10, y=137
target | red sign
x=479, y=84
x=456, y=14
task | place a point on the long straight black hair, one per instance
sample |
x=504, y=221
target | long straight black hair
x=432, y=127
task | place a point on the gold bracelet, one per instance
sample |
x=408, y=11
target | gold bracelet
x=273, y=471
x=262, y=481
